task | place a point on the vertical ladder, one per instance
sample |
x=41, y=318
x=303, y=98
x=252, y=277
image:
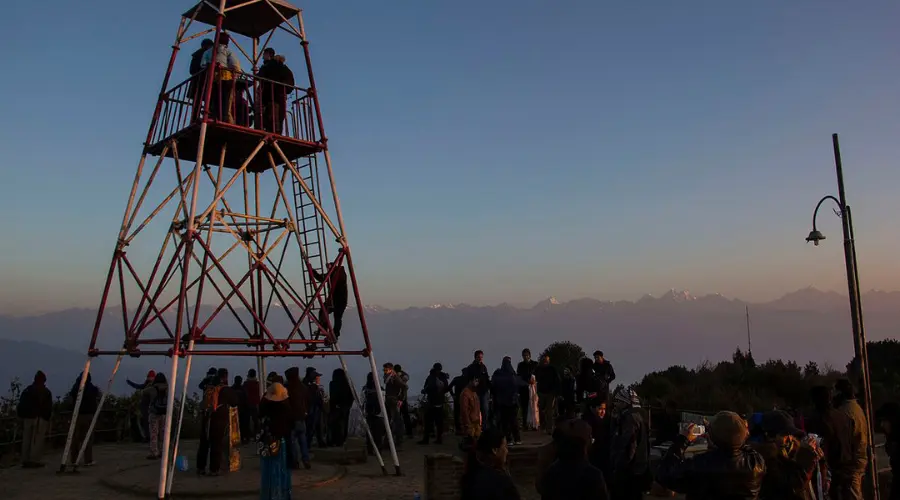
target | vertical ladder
x=312, y=231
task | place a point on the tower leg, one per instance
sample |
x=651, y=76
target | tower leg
x=90, y=431
x=384, y=414
x=167, y=431
x=184, y=391
x=362, y=410
x=261, y=375
x=68, y=447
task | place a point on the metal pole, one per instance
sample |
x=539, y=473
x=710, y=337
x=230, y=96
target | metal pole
x=90, y=431
x=68, y=447
x=872, y=468
x=167, y=432
x=184, y=391
x=859, y=346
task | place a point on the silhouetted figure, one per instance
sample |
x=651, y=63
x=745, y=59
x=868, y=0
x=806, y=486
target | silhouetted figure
x=404, y=401
x=571, y=476
x=505, y=385
x=276, y=82
x=836, y=429
x=373, y=413
x=251, y=393
x=336, y=301
x=850, y=481
x=158, y=395
x=90, y=401
x=457, y=385
x=341, y=402
x=525, y=370
x=630, y=455
x=35, y=408
x=218, y=398
x=667, y=425
x=548, y=388
x=888, y=417
x=485, y=477
x=435, y=390
x=298, y=397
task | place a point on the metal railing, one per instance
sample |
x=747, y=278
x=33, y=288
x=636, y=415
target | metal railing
x=241, y=100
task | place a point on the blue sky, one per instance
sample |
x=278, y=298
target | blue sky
x=497, y=151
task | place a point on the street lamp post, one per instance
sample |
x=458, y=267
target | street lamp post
x=861, y=359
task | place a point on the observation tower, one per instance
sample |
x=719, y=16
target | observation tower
x=251, y=231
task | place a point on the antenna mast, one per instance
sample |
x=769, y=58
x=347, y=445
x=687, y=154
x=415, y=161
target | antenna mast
x=749, y=343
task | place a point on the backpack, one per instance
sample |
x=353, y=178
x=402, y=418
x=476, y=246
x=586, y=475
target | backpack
x=210, y=402
x=160, y=402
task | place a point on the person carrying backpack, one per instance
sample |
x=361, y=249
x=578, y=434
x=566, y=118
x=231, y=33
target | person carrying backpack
x=436, y=387
x=157, y=394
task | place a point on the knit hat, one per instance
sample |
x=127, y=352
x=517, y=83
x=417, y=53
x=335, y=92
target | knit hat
x=628, y=397
x=728, y=430
x=276, y=392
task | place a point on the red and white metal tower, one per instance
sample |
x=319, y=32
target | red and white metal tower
x=234, y=186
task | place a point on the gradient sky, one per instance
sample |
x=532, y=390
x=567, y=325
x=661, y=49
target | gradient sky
x=497, y=151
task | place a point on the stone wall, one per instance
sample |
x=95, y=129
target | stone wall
x=443, y=472
x=442, y=475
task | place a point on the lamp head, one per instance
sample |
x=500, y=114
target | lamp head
x=815, y=236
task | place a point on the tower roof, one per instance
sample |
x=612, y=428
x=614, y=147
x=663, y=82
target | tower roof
x=246, y=17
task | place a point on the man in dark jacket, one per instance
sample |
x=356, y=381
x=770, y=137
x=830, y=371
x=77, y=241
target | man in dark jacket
x=835, y=429
x=567, y=398
x=548, y=386
x=505, y=385
x=338, y=295
x=404, y=401
x=478, y=370
x=298, y=397
x=730, y=470
x=394, y=386
x=90, y=401
x=457, y=385
x=196, y=84
x=435, y=389
x=603, y=368
x=630, y=455
x=35, y=407
x=252, y=393
x=525, y=370
x=274, y=96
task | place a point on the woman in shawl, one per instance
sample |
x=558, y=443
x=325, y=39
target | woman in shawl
x=275, y=429
x=534, y=419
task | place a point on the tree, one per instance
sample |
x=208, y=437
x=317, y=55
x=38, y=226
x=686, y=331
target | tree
x=564, y=354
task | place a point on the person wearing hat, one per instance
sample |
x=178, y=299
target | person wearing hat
x=630, y=450
x=571, y=475
x=729, y=469
x=790, y=459
x=275, y=415
x=34, y=408
x=144, y=403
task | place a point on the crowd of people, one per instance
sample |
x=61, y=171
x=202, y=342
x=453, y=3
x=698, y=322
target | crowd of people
x=600, y=447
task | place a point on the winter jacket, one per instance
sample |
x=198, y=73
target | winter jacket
x=860, y=433
x=787, y=475
x=718, y=474
x=457, y=385
x=157, y=395
x=505, y=385
x=36, y=401
x=90, y=400
x=340, y=393
x=404, y=394
x=469, y=408
x=525, y=369
x=298, y=394
x=436, y=387
x=394, y=388
x=630, y=454
x=251, y=388
x=479, y=371
x=276, y=71
x=338, y=293
x=547, y=379
x=836, y=429
x=605, y=371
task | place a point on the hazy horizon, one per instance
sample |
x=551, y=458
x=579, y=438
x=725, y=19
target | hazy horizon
x=584, y=150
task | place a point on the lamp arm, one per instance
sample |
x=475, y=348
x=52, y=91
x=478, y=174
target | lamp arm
x=827, y=197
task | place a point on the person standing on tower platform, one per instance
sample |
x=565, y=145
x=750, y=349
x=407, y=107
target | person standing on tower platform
x=274, y=96
x=196, y=78
x=223, y=81
x=525, y=370
x=336, y=302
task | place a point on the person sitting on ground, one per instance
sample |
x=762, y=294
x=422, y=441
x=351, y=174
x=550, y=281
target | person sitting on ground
x=571, y=476
x=485, y=477
x=790, y=459
x=730, y=469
